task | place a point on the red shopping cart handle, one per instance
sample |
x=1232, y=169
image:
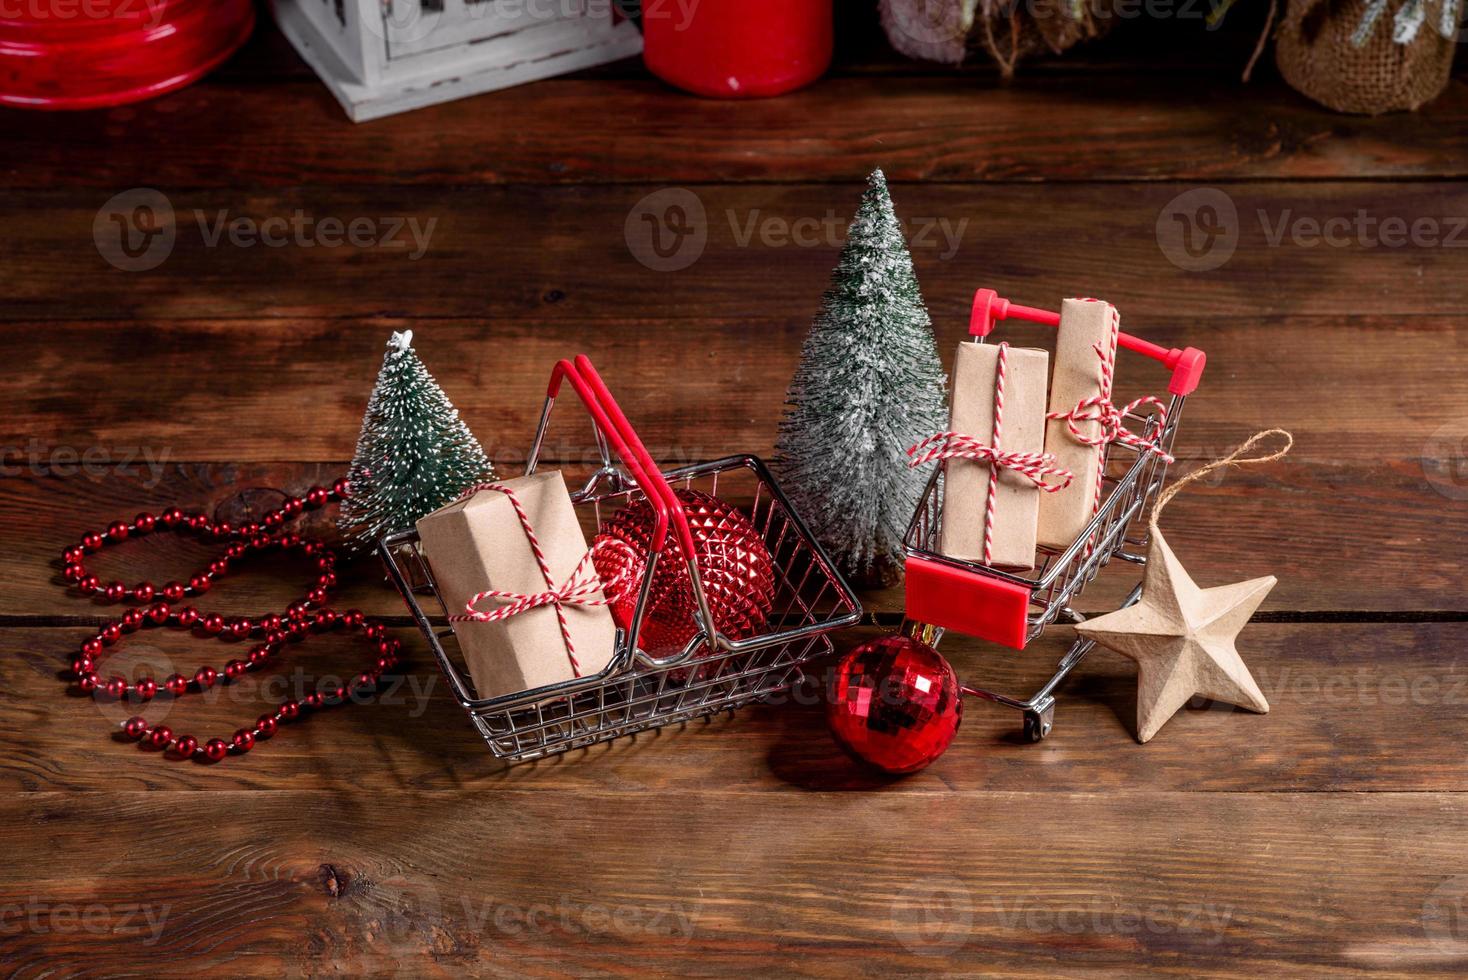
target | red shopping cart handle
x=1186, y=365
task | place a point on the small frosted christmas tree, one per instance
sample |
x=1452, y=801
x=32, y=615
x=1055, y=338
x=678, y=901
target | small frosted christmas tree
x=414, y=453
x=870, y=385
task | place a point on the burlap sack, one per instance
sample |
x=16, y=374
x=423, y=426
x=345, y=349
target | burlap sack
x=1316, y=57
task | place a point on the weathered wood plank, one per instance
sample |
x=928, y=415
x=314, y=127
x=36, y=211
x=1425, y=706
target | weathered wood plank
x=970, y=127
x=718, y=883
x=169, y=390
x=1340, y=537
x=1354, y=708
x=562, y=253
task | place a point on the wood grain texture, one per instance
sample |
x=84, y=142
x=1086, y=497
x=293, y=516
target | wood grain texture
x=179, y=391
x=717, y=883
x=1354, y=708
x=956, y=128
x=561, y=254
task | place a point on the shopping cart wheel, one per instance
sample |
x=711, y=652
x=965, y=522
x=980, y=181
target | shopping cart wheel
x=1038, y=723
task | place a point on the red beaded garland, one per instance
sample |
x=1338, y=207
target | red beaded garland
x=247, y=538
x=385, y=652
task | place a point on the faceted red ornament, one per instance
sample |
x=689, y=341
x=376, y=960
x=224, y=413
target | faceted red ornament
x=896, y=704
x=735, y=566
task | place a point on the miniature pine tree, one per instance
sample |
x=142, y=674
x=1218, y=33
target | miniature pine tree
x=414, y=453
x=870, y=384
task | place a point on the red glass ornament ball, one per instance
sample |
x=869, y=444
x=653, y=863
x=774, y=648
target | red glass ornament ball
x=895, y=705
x=735, y=566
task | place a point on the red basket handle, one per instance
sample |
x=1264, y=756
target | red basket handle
x=609, y=418
x=1186, y=365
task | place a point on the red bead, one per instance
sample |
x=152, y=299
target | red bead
x=116, y=591
x=316, y=497
x=205, y=677
x=240, y=628
x=171, y=516
x=174, y=591
x=352, y=619
x=92, y=541
x=146, y=688
x=196, y=521
x=296, y=610
x=117, y=531
x=176, y=684
x=73, y=554
x=144, y=522
x=111, y=633
x=213, y=624
x=88, y=681
x=258, y=655
x=243, y=741
x=297, y=630
x=186, y=746
x=144, y=591
x=135, y=728
x=116, y=687
x=73, y=573
x=323, y=620
x=273, y=518
x=92, y=647
x=340, y=488
x=215, y=749
x=312, y=700
x=276, y=638
x=218, y=567
x=158, y=612
x=82, y=665
x=290, y=711
x=385, y=664
x=364, y=681
x=132, y=619
x=265, y=726
x=374, y=630
x=90, y=584
x=188, y=616
x=200, y=583
x=234, y=669
x=293, y=506
x=896, y=704
x=160, y=736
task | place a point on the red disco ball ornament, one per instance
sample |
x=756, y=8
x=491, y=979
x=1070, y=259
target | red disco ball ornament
x=62, y=54
x=896, y=704
x=735, y=566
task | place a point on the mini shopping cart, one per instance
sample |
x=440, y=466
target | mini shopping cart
x=972, y=598
x=637, y=691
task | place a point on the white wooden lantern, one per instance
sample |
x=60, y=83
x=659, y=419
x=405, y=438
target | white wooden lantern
x=380, y=57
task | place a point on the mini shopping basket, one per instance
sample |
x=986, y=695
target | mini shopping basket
x=976, y=599
x=637, y=691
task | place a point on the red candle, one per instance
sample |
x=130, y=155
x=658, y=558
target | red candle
x=737, y=49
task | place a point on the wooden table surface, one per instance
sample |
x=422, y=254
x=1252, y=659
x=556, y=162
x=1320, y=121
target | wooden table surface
x=1328, y=835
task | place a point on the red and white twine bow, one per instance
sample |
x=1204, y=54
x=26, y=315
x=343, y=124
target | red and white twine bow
x=583, y=588
x=958, y=445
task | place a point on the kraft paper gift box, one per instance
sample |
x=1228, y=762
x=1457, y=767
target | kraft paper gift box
x=966, y=481
x=1079, y=375
x=479, y=544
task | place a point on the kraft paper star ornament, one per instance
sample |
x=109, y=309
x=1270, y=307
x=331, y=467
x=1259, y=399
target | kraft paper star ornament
x=1182, y=638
